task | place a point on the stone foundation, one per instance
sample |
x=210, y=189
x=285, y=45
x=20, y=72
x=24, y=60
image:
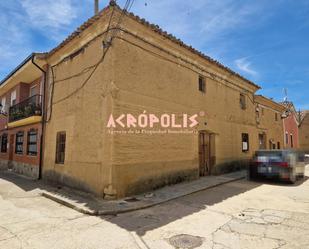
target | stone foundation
x=153, y=183
x=4, y=164
x=25, y=169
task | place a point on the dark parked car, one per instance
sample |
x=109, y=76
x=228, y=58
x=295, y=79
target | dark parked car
x=288, y=165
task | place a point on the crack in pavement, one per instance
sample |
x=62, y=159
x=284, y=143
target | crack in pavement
x=266, y=215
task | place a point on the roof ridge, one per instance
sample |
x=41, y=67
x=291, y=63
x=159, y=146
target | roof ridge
x=156, y=28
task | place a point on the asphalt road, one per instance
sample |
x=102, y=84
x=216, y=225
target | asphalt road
x=241, y=214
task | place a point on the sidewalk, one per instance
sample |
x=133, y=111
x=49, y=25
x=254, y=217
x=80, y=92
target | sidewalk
x=91, y=205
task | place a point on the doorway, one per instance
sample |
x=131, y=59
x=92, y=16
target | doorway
x=204, y=153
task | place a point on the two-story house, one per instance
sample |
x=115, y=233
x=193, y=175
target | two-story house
x=269, y=123
x=130, y=108
x=131, y=70
x=21, y=115
x=290, y=126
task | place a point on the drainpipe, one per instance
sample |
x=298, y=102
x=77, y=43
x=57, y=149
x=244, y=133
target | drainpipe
x=43, y=115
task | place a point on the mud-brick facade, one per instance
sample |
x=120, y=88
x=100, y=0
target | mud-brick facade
x=20, y=119
x=144, y=71
x=303, y=131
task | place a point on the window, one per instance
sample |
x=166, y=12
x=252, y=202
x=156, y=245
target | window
x=60, y=147
x=276, y=116
x=4, y=141
x=245, y=142
x=291, y=138
x=3, y=105
x=13, y=98
x=201, y=84
x=33, y=91
x=278, y=146
x=242, y=101
x=286, y=138
x=32, y=149
x=19, y=142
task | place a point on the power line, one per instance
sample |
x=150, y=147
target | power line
x=126, y=8
x=85, y=70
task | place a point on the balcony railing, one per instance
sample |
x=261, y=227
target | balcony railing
x=27, y=108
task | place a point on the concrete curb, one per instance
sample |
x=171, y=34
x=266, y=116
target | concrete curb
x=63, y=201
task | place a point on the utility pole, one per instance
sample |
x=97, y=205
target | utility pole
x=96, y=7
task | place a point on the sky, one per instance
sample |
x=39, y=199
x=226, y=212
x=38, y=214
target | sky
x=265, y=41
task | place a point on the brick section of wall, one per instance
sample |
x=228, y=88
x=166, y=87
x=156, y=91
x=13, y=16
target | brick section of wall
x=22, y=92
x=21, y=163
x=3, y=122
x=291, y=128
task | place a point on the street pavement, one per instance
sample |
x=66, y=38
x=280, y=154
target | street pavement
x=240, y=214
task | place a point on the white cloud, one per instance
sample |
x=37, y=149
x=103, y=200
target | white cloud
x=14, y=41
x=226, y=16
x=50, y=13
x=245, y=66
x=22, y=22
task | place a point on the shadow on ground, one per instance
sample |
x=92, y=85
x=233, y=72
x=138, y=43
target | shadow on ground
x=152, y=218
x=145, y=220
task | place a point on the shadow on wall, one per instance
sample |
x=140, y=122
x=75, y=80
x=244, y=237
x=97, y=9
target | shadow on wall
x=231, y=166
x=54, y=178
x=153, y=183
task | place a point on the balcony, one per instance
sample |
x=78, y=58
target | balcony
x=29, y=110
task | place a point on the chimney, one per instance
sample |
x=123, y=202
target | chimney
x=96, y=7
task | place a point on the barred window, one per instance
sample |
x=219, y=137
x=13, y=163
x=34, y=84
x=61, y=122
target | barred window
x=32, y=149
x=201, y=84
x=19, y=142
x=4, y=141
x=245, y=142
x=60, y=147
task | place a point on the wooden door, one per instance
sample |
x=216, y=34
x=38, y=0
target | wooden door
x=204, y=153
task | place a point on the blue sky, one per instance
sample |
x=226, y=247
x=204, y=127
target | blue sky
x=265, y=41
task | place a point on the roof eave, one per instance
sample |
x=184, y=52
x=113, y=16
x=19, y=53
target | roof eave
x=21, y=65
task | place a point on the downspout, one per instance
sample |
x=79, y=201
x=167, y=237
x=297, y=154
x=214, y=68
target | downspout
x=43, y=116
